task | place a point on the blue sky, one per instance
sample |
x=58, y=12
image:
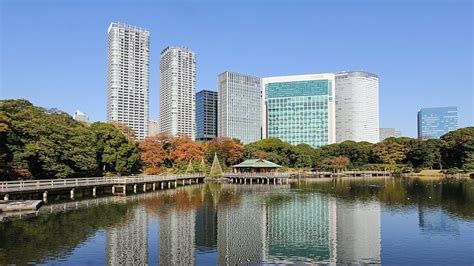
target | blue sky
x=54, y=53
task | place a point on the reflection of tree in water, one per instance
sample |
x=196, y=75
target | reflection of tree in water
x=190, y=198
x=38, y=238
x=455, y=196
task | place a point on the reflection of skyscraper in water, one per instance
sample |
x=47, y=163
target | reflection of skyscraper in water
x=206, y=227
x=241, y=232
x=437, y=221
x=176, y=237
x=301, y=227
x=128, y=244
x=358, y=232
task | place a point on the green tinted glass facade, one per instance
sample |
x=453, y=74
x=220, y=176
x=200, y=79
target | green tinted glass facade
x=297, y=111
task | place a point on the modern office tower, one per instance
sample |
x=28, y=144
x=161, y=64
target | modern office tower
x=128, y=70
x=206, y=115
x=358, y=232
x=357, y=106
x=177, y=91
x=128, y=243
x=300, y=109
x=176, y=237
x=386, y=133
x=81, y=117
x=153, y=128
x=239, y=107
x=435, y=122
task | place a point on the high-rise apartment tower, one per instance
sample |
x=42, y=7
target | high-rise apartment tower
x=177, y=91
x=128, y=82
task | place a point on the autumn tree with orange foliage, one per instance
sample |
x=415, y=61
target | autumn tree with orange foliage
x=228, y=150
x=153, y=154
x=187, y=151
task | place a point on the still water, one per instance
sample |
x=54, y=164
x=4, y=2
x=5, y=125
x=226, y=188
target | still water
x=388, y=221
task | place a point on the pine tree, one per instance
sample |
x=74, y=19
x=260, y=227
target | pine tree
x=190, y=167
x=216, y=169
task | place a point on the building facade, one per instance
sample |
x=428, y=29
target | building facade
x=239, y=107
x=300, y=109
x=386, y=133
x=81, y=117
x=206, y=115
x=177, y=91
x=435, y=122
x=153, y=128
x=128, y=77
x=357, y=106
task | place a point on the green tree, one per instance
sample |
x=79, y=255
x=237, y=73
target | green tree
x=390, y=152
x=114, y=152
x=426, y=154
x=459, y=148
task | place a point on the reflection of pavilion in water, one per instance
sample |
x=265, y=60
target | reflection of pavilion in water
x=128, y=244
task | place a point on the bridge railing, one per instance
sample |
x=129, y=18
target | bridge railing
x=88, y=181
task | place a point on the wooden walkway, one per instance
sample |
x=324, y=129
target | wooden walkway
x=118, y=184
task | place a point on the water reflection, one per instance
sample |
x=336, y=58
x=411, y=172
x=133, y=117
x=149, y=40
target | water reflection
x=329, y=221
x=128, y=242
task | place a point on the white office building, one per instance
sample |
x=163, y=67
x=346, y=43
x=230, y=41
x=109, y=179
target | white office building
x=239, y=107
x=128, y=82
x=299, y=109
x=357, y=106
x=81, y=117
x=177, y=91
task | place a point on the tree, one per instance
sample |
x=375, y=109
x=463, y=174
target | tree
x=114, y=152
x=390, y=152
x=187, y=151
x=340, y=162
x=277, y=151
x=152, y=153
x=459, y=148
x=216, y=169
x=426, y=154
x=226, y=149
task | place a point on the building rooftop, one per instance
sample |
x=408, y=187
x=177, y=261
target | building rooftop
x=256, y=163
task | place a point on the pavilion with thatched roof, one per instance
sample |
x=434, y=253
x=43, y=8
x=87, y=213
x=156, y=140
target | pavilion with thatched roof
x=255, y=166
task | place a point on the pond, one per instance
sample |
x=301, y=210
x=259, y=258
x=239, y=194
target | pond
x=383, y=220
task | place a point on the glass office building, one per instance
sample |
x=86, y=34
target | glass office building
x=239, y=107
x=206, y=115
x=300, y=109
x=435, y=122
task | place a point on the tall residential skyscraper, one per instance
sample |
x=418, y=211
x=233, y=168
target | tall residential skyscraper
x=357, y=106
x=206, y=115
x=437, y=121
x=128, y=70
x=239, y=107
x=300, y=109
x=386, y=133
x=177, y=91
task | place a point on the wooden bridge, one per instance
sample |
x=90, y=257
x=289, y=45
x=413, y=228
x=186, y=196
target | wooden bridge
x=118, y=185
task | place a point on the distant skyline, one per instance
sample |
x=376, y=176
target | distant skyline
x=54, y=53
